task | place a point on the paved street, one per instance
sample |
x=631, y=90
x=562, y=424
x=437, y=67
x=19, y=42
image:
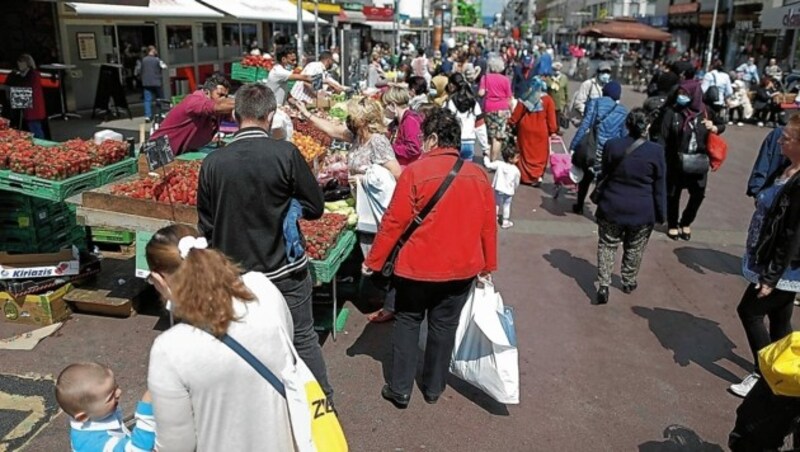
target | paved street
x=611, y=377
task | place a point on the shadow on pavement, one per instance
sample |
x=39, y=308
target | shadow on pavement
x=693, y=339
x=579, y=269
x=679, y=439
x=702, y=259
x=477, y=396
x=556, y=206
x=376, y=342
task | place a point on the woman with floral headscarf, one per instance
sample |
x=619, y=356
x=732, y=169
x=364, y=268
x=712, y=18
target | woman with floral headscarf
x=534, y=119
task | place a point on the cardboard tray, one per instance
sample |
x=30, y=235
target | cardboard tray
x=45, y=265
x=102, y=199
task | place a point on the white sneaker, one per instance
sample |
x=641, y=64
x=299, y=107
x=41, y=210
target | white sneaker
x=507, y=224
x=760, y=124
x=730, y=123
x=743, y=388
x=740, y=124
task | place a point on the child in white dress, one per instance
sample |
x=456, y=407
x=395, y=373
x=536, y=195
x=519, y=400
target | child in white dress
x=505, y=183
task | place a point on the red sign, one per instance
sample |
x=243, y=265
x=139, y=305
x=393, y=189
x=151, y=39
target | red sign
x=378, y=14
x=684, y=8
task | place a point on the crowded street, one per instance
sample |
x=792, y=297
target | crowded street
x=639, y=372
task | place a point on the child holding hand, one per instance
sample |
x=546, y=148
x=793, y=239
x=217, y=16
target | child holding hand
x=505, y=182
x=89, y=394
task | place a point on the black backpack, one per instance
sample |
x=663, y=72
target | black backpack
x=711, y=96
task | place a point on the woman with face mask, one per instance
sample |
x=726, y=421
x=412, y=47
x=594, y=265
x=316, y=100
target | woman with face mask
x=26, y=76
x=685, y=126
x=366, y=131
x=193, y=376
x=405, y=125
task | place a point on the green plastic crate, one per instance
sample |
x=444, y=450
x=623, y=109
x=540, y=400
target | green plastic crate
x=324, y=271
x=57, y=213
x=248, y=74
x=53, y=228
x=191, y=156
x=49, y=189
x=117, y=171
x=45, y=143
x=19, y=203
x=175, y=100
x=113, y=236
x=74, y=235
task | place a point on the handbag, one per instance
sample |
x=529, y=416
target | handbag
x=779, y=363
x=694, y=162
x=717, y=149
x=388, y=267
x=485, y=354
x=315, y=425
x=597, y=193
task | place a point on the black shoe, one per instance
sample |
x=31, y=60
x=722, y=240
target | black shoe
x=577, y=209
x=629, y=288
x=686, y=236
x=674, y=236
x=602, y=295
x=398, y=400
x=431, y=399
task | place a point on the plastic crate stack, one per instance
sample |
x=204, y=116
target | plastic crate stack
x=33, y=225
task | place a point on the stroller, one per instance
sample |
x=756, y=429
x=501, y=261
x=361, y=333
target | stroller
x=564, y=174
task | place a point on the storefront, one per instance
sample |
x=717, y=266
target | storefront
x=784, y=22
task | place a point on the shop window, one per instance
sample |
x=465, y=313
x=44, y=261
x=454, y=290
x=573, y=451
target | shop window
x=249, y=37
x=231, y=41
x=179, y=40
x=207, y=43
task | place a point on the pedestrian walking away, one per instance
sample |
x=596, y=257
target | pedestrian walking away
x=534, y=121
x=631, y=200
x=464, y=228
x=151, y=68
x=771, y=259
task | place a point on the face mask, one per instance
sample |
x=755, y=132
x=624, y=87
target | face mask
x=432, y=92
x=604, y=78
x=683, y=100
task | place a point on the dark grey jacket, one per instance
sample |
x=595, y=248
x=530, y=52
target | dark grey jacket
x=151, y=71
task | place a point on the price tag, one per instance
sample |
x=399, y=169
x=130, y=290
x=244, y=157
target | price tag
x=21, y=98
x=158, y=152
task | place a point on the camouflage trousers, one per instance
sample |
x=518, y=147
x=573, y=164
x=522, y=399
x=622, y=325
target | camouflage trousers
x=634, y=241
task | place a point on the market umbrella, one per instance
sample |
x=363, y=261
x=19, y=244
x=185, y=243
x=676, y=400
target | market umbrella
x=625, y=28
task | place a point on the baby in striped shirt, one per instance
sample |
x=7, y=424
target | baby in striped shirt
x=89, y=394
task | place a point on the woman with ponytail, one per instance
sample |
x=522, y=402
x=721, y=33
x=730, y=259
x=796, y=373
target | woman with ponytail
x=205, y=396
x=631, y=198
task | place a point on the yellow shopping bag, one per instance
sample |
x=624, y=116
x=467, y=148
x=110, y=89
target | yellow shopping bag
x=779, y=363
x=325, y=428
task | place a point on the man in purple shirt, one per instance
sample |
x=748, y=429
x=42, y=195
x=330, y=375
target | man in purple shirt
x=193, y=123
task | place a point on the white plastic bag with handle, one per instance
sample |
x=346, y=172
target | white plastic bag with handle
x=485, y=353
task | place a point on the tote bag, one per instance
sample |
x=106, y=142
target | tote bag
x=779, y=363
x=485, y=353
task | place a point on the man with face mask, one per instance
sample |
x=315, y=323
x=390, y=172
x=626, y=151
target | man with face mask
x=193, y=123
x=243, y=194
x=558, y=89
x=281, y=73
x=590, y=89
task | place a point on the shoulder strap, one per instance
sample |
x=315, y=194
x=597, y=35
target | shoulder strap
x=257, y=365
x=635, y=145
x=430, y=205
x=600, y=121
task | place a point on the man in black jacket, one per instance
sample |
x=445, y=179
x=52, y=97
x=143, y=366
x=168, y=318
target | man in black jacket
x=244, y=193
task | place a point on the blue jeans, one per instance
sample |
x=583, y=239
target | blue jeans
x=467, y=151
x=35, y=127
x=296, y=289
x=151, y=93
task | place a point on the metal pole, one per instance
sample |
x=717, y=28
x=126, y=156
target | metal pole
x=300, y=32
x=711, y=36
x=316, y=30
x=395, y=37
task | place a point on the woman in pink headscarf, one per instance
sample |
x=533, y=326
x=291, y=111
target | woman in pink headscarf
x=685, y=128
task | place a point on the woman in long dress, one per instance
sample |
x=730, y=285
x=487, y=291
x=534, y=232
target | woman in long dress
x=535, y=121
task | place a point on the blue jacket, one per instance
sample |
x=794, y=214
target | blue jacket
x=613, y=116
x=291, y=231
x=636, y=193
x=544, y=65
x=110, y=434
x=769, y=161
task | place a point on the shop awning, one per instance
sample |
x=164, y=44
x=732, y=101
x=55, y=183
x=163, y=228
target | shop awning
x=157, y=8
x=625, y=28
x=261, y=10
x=352, y=17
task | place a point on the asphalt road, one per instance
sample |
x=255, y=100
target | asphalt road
x=624, y=376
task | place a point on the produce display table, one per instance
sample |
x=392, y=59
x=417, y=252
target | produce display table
x=324, y=272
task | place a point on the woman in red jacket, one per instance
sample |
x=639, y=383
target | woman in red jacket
x=436, y=267
x=27, y=76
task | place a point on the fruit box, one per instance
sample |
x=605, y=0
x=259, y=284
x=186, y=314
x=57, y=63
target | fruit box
x=38, y=310
x=46, y=265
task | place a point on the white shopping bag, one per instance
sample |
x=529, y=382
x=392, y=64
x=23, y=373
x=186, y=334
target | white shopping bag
x=485, y=353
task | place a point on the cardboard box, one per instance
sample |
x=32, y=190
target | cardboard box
x=324, y=101
x=47, y=265
x=90, y=266
x=38, y=310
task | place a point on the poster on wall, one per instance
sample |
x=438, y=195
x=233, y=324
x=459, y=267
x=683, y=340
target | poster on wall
x=87, y=46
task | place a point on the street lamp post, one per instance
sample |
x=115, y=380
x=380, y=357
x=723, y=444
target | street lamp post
x=300, y=31
x=316, y=29
x=711, y=36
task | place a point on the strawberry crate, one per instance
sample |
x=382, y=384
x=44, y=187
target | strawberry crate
x=248, y=74
x=116, y=171
x=51, y=229
x=113, y=236
x=325, y=270
x=36, y=217
x=16, y=202
x=49, y=189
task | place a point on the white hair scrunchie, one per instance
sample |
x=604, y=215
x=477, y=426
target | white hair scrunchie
x=189, y=243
